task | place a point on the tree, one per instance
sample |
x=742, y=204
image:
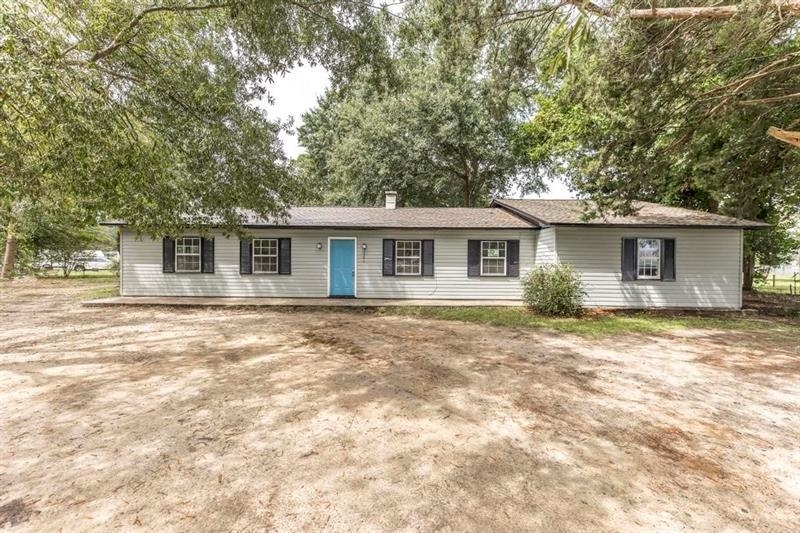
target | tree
x=435, y=143
x=146, y=112
x=764, y=249
x=676, y=115
x=441, y=131
x=64, y=240
x=583, y=18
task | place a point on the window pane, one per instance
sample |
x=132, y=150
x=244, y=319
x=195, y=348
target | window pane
x=265, y=256
x=187, y=254
x=493, y=248
x=649, y=258
x=265, y=264
x=186, y=245
x=188, y=262
x=408, y=266
x=408, y=248
x=407, y=257
x=265, y=247
x=494, y=266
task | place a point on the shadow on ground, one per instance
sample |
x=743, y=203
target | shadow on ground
x=204, y=419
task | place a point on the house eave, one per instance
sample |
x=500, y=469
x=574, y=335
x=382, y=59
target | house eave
x=356, y=227
x=660, y=225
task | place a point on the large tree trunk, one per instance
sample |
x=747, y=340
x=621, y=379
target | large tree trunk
x=10, y=256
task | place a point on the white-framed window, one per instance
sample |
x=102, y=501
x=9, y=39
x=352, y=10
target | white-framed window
x=408, y=258
x=493, y=258
x=648, y=258
x=265, y=256
x=187, y=254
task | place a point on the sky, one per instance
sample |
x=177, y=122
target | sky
x=298, y=91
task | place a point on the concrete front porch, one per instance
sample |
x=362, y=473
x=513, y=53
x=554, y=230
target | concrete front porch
x=199, y=301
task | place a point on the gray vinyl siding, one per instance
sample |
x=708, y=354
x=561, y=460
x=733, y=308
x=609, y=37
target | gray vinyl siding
x=708, y=266
x=707, y=263
x=142, y=276
x=546, y=251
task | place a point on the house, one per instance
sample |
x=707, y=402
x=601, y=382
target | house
x=661, y=257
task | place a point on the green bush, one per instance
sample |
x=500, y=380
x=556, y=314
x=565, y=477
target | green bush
x=554, y=290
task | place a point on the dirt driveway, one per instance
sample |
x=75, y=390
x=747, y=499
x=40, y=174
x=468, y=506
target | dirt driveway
x=246, y=420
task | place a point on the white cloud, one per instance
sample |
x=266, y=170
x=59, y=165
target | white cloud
x=557, y=190
x=294, y=94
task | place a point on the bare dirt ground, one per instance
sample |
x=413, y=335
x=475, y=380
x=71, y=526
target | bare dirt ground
x=257, y=419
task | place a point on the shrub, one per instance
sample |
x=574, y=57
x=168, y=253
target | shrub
x=554, y=290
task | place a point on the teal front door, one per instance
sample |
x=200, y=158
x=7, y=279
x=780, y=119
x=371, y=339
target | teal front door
x=342, y=275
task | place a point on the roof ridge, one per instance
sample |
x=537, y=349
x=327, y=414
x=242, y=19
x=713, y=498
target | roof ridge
x=562, y=211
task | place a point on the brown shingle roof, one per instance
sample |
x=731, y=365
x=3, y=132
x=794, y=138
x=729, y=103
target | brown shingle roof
x=570, y=212
x=402, y=217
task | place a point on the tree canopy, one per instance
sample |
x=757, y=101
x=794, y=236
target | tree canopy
x=443, y=130
x=146, y=112
x=679, y=115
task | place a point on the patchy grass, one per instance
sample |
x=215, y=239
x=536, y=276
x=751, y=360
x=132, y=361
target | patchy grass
x=594, y=325
x=87, y=274
x=93, y=285
x=104, y=291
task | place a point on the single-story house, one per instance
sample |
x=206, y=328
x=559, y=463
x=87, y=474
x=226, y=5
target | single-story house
x=660, y=257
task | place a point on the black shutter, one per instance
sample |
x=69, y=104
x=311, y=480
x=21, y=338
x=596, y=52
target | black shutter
x=388, y=257
x=629, y=260
x=427, y=258
x=284, y=256
x=168, y=255
x=473, y=258
x=207, y=256
x=245, y=256
x=668, y=260
x=512, y=259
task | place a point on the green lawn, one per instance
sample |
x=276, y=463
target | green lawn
x=780, y=285
x=595, y=325
x=58, y=273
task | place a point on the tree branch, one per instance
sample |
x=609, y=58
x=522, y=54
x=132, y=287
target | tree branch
x=784, y=7
x=790, y=137
x=122, y=38
x=772, y=99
